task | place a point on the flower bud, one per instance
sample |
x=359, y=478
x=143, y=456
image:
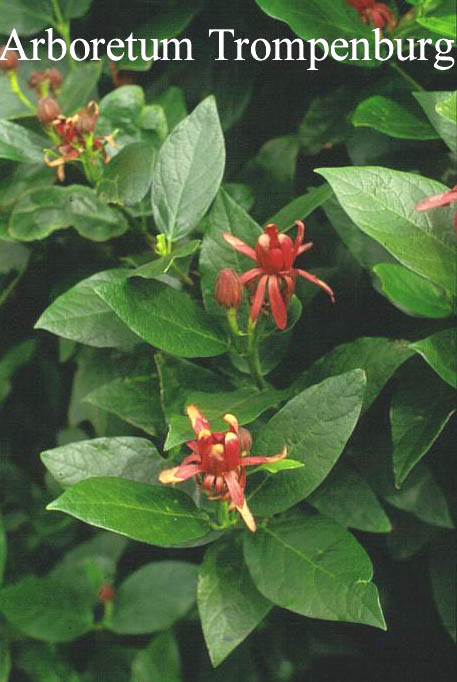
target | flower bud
x=55, y=78
x=10, y=59
x=86, y=119
x=106, y=593
x=48, y=110
x=228, y=290
x=245, y=439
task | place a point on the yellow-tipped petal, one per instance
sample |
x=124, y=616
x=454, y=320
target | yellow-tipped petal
x=281, y=455
x=169, y=476
x=247, y=517
x=232, y=421
x=198, y=420
x=217, y=451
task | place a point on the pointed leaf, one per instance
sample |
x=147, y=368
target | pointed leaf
x=440, y=351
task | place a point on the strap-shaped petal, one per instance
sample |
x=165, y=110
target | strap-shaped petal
x=239, y=245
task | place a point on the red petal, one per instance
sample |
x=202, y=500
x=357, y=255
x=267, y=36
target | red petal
x=198, y=420
x=246, y=277
x=186, y=471
x=278, y=307
x=255, y=461
x=259, y=297
x=437, y=200
x=239, y=245
x=232, y=450
x=300, y=235
x=235, y=490
x=318, y=282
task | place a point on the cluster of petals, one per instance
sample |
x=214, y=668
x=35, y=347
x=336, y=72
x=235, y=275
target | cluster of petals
x=218, y=462
x=72, y=132
x=275, y=274
x=437, y=200
x=376, y=14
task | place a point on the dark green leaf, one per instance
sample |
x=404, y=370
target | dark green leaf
x=421, y=408
x=45, y=210
x=26, y=16
x=3, y=550
x=134, y=459
x=229, y=603
x=440, y=351
x=326, y=123
x=17, y=179
x=403, y=120
x=301, y=207
x=5, y=662
x=335, y=498
x=173, y=102
x=164, y=317
x=188, y=172
x=79, y=86
x=12, y=361
x=377, y=356
x=315, y=426
x=382, y=204
x=159, y=661
x=160, y=266
x=448, y=108
x=429, y=101
x=79, y=314
x=443, y=559
x=153, y=514
x=154, y=597
x=19, y=144
x=43, y=663
x=412, y=293
x=313, y=566
x=127, y=178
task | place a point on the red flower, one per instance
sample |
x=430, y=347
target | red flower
x=377, y=14
x=275, y=254
x=218, y=461
x=444, y=199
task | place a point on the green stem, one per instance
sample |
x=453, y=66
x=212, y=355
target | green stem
x=16, y=88
x=182, y=275
x=5, y=294
x=405, y=76
x=253, y=356
x=62, y=25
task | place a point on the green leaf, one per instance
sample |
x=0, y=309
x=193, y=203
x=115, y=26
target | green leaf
x=15, y=358
x=313, y=566
x=326, y=123
x=79, y=85
x=80, y=315
x=153, y=514
x=382, y=204
x=320, y=19
x=3, y=550
x=335, y=498
x=377, y=356
x=301, y=207
x=164, y=317
x=17, y=179
x=282, y=465
x=132, y=398
x=45, y=210
x=127, y=178
x=129, y=458
x=421, y=496
x=315, y=426
x=43, y=663
x=160, y=266
x=188, y=171
x=173, y=102
x=448, y=108
x=55, y=608
x=430, y=101
x=159, y=661
x=443, y=559
x=229, y=603
x=225, y=216
x=26, y=16
x=154, y=597
x=19, y=144
x=412, y=293
x=5, y=662
x=443, y=25
x=421, y=407
x=440, y=351
x=400, y=119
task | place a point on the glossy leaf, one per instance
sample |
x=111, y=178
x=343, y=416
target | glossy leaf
x=127, y=178
x=440, y=351
x=421, y=407
x=154, y=597
x=382, y=204
x=160, y=266
x=19, y=144
x=301, y=207
x=314, y=426
x=335, y=498
x=403, y=120
x=188, y=172
x=412, y=293
x=133, y=459
x=229, y=603
x=313, y=566
x=45, y=210
x=164, y=317
x=152, y=514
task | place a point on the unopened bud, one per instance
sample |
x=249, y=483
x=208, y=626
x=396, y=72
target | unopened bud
x=86, y=119
x=55, y=78
x=10, y=59
x=48, y=110
x=228, y=290
x=106, y=593
x=245, y=439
